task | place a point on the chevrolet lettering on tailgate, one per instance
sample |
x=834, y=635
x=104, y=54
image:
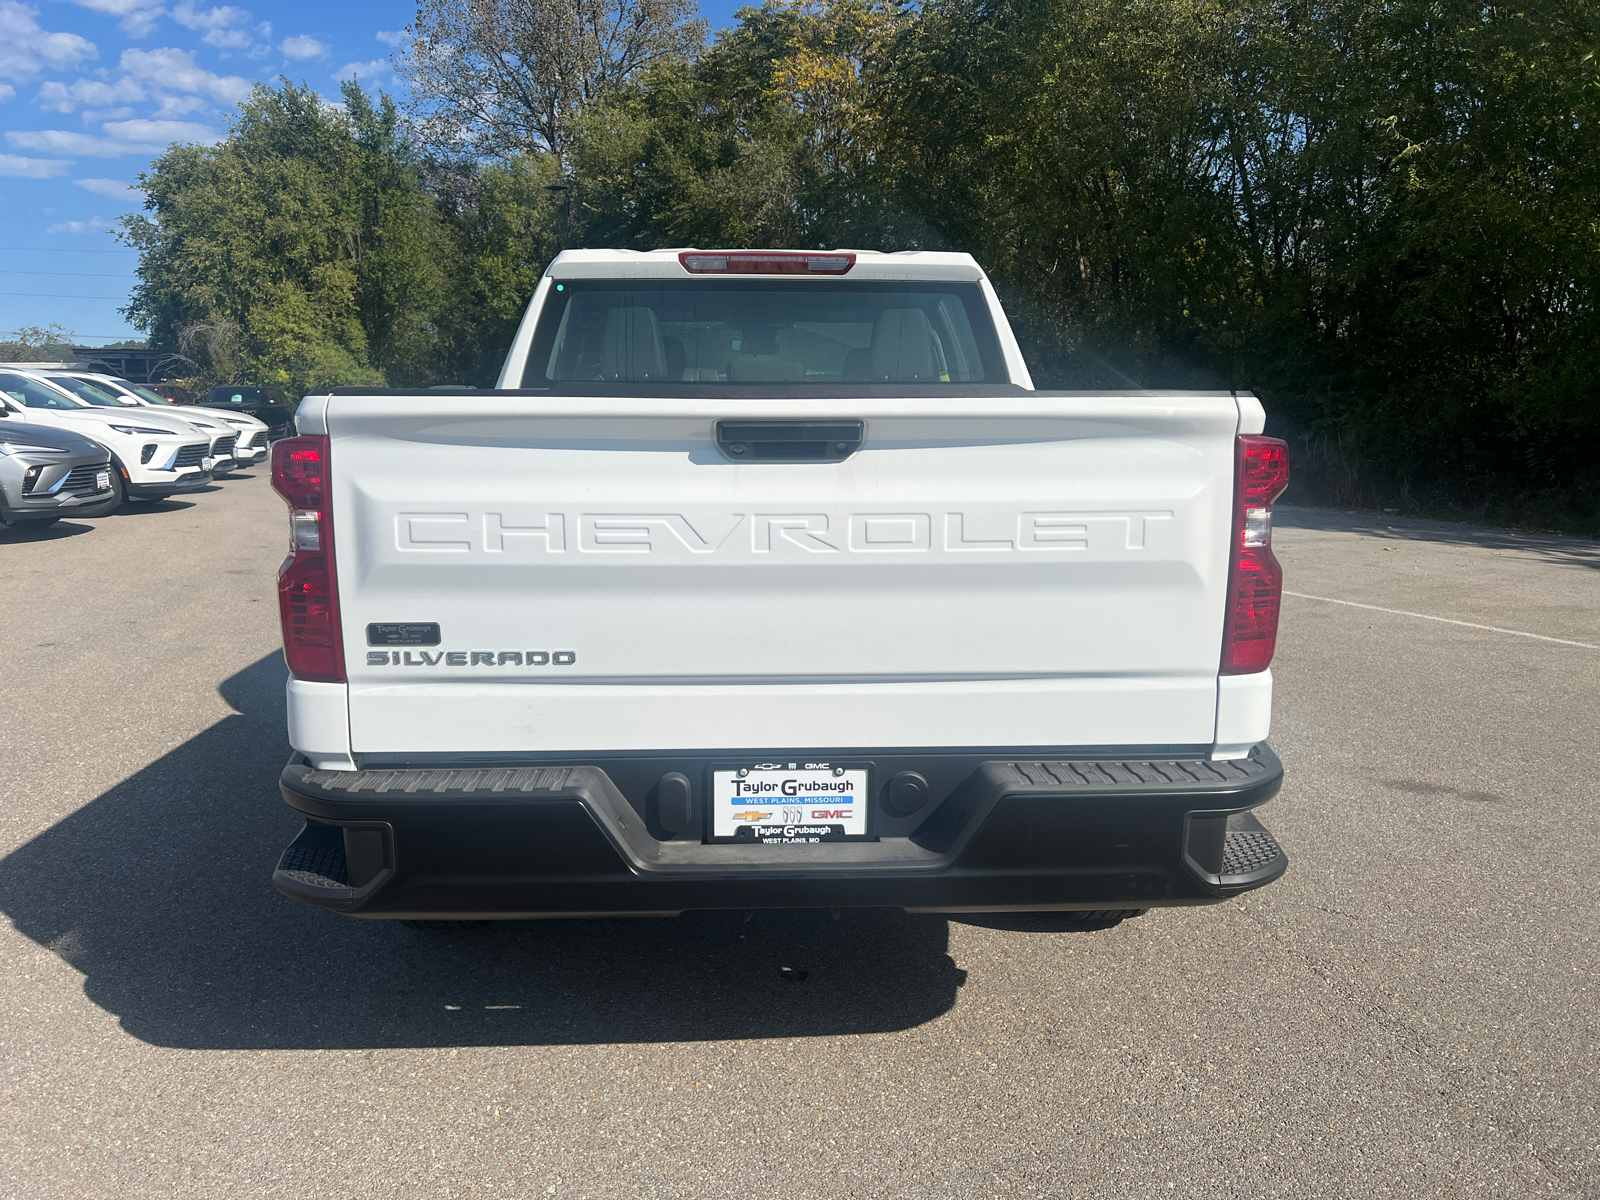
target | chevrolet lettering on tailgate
x=704, y=533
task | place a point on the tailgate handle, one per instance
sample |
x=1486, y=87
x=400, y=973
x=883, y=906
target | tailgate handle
x=790, y=441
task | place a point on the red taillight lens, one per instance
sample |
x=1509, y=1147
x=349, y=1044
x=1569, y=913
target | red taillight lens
x=751, y=262
x=1255, y=580
x=308, y=590
x=1263, y=470
x=300, y=470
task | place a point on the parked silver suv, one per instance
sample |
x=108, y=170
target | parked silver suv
x=46, y=474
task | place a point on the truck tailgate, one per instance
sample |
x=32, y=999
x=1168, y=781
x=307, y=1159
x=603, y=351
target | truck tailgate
x=1031, y=570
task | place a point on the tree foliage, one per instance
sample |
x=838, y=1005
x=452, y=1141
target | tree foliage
x=493, y=78
x=307, y=250
x=38, y=343
x=1382, y=217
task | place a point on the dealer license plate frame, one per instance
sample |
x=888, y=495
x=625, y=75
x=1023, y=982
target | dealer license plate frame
x=720, y=806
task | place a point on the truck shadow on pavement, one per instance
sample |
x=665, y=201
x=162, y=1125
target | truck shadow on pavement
x=160, y=892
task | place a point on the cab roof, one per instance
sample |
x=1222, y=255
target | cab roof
x=926, y=265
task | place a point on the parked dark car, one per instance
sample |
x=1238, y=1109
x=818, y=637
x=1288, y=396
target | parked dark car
x=47, y=474
x=267, y=404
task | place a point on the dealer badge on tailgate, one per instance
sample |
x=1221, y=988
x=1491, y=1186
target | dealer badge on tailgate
x=789, y=803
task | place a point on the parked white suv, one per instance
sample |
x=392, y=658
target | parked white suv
x=223, y=437
x=153, y=455
x=250, y=446
x=768, y=579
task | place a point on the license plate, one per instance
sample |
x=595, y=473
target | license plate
x=102, y=481
x=782, y=804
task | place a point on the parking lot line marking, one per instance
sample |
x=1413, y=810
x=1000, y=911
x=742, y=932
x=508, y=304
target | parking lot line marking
x=1400, y=612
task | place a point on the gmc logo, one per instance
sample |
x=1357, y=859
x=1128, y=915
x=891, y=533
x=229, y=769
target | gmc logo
x=521, y=534
x=823, y=814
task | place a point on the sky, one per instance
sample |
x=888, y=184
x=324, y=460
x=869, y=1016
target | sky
x=92, y=90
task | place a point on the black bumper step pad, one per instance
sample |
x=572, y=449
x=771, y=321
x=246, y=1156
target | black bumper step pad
x=1234, y=852
x=495, y=781
x=1143, y=775
x=1247, y=851
x=316, y=866
x=337, y=866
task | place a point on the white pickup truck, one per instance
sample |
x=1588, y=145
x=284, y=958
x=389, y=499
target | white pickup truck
x=767, y=579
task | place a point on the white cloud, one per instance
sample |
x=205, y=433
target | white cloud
x=93, y=116
x=225, y=16
x=391, y=37
x=61, y=141
x=223, y=26
x=158, y=133
x=6, y=92
x=92, y=225
x=303, y=47
x=120, y=137
x=66, y=97
x=139, y=17
x=19, y=167
x=26, y=49
x=364, y=70
x=112, y=189
x=179, y=106
x=174, y=69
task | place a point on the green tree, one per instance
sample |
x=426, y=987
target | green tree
x=768, y=139
x=1383, y=217
x=308, y=231
x=497, y=78
x=505, y=224
x=38, y=343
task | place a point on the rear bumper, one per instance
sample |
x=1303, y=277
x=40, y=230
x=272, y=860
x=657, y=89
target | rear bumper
x=1113, y=831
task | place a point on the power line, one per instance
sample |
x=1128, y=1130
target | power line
x=66, y=250
x=74, y=274
x=107, y=337
x=62, y=296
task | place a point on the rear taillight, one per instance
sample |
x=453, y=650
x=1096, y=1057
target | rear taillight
x=1255, y=580
x=759, y=262
x=308, y=592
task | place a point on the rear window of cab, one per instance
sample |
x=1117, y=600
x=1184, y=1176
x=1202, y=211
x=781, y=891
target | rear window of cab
x=775, y=330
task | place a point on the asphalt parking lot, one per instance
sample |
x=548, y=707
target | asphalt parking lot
x=1413, y=1011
